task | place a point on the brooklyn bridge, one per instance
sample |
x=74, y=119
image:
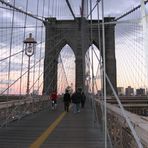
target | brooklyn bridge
x=97, y=46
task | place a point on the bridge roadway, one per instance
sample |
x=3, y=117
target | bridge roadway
x=54, y=129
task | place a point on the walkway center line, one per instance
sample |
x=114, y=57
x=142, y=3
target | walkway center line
x=41, y=139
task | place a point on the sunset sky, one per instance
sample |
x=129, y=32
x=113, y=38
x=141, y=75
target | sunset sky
x=131, y=67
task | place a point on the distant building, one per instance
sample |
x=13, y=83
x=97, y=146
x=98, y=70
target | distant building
x=120, y=91
x=129, y=91
x=140, y=92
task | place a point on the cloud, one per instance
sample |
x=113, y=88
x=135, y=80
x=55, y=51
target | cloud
x=118, y=7
x=6, y=81
x=14, y=67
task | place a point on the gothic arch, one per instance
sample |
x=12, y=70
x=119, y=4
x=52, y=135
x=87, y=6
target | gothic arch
x=62, y=44
x=72, y=34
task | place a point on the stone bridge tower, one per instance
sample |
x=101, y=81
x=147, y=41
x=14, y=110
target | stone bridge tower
x=62, y=32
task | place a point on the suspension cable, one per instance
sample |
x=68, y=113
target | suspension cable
x=127, y=13
x=104, y=72
x=36, y=29
x=124, y=114
x=64, y=69
x=22, y=62
x=9, y=66
x=123, y=111
x=43, y=9
x=20, y=10
x=92, y=9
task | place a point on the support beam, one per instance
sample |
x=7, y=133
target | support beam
x=132, y=10
x=19, y=10
x=82, y=9
x=69, y=6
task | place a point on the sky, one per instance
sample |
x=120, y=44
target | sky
x=59, y=7
x=131, y=33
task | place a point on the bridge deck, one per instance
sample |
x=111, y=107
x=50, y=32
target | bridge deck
x=73, y=131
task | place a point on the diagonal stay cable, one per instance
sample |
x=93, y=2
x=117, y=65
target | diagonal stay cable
x=51, y=38
x=20, y=10
x=64, y=69
x=124, y=113
x=11, y=55
x=27, y=71
x=52, y=67
x=132, y=10
x=93, y=8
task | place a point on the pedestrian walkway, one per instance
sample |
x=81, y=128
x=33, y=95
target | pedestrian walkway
x=53, y=129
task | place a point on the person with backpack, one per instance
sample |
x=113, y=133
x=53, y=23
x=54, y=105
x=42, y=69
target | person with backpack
x=76, y=100
x=67, y=100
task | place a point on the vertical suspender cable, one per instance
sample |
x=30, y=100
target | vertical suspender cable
x=52, y=8
x=99, y=40
x=64, y=70
x=86, y=55
x=56, y=12
x=92, y=61
x=48, y=7
x=125, y=115
x=100, y=61
x=55, y=64
x=91, y=47
x=123, y=111
x=25, y=22
x=99, y=35
x=10, y=51
x=82, y=43
x=36, y=29
x=104, y=74
x=145, y=31
x=41, y=44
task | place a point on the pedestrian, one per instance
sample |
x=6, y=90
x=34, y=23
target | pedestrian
x=66, y=100
x=76, y=100
x=83, y=100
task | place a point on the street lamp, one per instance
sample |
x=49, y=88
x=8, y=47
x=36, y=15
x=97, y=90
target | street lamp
x=29, y=51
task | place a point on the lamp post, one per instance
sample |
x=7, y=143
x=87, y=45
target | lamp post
x=29, y=51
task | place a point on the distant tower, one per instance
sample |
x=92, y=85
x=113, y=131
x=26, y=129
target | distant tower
x=78, y=38
x=129, y=91
x=140, y=92
x=120, y=91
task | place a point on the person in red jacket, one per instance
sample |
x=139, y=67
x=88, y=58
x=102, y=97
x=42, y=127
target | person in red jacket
x=53, y=98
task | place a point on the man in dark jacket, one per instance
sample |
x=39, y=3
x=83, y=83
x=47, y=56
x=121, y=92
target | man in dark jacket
x=66, y=100
x=76, y=100
x=83, y=100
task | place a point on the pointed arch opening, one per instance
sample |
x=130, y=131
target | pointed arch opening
x=92, y=69
x=66, y=69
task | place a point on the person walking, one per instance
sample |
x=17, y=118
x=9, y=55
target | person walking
x=76, y=100
x=66, y=100
x=83, y=100
x=53, y=98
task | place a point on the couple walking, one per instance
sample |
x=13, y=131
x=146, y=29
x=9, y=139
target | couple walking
x=78, y=98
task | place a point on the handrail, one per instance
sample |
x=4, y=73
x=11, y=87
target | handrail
x=139, y=123
x=137, y=139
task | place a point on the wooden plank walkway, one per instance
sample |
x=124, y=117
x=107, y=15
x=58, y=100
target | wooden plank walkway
x=74, y=130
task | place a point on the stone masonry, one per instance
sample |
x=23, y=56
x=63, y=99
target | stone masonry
x=62, y=32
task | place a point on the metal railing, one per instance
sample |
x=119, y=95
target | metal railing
x=119, y=131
